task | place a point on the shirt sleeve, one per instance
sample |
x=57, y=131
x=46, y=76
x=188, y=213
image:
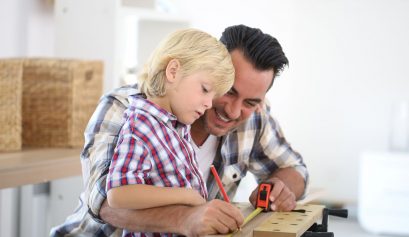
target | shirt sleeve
x=101, y=136
x=131, y=162
x=272, y=151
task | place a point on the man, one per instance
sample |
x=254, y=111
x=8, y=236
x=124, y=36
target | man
x=236, y=135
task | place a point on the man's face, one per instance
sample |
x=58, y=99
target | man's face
x=248, y=91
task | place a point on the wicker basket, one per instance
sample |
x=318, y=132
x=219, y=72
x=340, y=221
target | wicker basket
x=10, y=104
x=59, y=97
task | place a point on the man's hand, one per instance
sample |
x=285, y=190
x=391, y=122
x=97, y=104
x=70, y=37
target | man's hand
x=281, y=197
x=214, y=217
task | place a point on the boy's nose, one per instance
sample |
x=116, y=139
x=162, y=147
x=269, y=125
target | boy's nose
x=208, y=102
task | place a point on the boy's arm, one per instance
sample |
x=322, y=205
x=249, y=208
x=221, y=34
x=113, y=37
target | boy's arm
x=141, y=196
x=130, y=167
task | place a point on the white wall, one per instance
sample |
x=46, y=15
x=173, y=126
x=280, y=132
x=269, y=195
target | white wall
x=349, y=69
x=27, y=30
x=14, y=26
x=348, y=62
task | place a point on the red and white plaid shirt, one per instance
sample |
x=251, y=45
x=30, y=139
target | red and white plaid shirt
x=155, y=149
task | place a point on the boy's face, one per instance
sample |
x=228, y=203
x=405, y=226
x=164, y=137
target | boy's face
x=248, y=91
x=191, y=96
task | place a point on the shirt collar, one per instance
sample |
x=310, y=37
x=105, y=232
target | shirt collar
x=141, y=103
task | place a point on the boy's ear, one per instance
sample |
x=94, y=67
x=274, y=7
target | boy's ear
x=171, y=70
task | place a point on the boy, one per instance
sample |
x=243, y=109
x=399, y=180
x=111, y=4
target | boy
x=154, y=163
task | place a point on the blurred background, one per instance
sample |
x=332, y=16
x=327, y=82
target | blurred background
x=343, y=102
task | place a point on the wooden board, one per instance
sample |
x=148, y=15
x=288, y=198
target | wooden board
x=279, y=224
x=289, y=224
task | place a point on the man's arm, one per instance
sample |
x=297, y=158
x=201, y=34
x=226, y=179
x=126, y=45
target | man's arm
x=213, y=217
x=290, y=179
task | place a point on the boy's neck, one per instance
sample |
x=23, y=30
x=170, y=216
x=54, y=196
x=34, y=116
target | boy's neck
x=161, y=102
x=198, y=129
x=199, y=132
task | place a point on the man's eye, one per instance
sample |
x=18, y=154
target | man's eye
x=250, y=104
x=230, y=92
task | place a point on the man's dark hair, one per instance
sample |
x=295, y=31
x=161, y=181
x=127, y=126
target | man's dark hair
x=262, y=50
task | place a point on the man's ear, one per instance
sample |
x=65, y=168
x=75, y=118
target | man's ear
x=260, y=107
x=171, y=70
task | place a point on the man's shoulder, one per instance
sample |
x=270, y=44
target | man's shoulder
x=122, y=94
x=109, y=113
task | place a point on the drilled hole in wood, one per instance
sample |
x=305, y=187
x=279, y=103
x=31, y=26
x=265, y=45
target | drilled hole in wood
x=276, y=230
x=274, y=223
x=293, y=224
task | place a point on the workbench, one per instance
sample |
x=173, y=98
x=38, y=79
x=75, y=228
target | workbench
x=278, y=224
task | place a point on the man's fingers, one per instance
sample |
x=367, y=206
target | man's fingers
x=213, y=217
x=286, y=202
x=281, y=197
x=277, y=189
x=227, y=217
x=225, y=225
x=234, y=216
x=253, y=197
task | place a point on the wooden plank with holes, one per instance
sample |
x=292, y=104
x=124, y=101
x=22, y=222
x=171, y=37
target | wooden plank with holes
x=289, y=224
x=278, y=224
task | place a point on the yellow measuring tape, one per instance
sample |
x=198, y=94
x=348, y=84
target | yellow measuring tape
x=247, y=219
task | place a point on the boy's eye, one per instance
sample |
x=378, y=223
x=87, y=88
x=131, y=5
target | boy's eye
x=205, y=89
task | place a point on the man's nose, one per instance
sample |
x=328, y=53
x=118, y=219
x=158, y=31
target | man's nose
x=233, y=109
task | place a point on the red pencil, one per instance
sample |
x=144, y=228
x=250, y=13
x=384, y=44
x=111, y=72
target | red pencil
x=219, y=183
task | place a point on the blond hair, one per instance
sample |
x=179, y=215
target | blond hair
x=196, y=51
